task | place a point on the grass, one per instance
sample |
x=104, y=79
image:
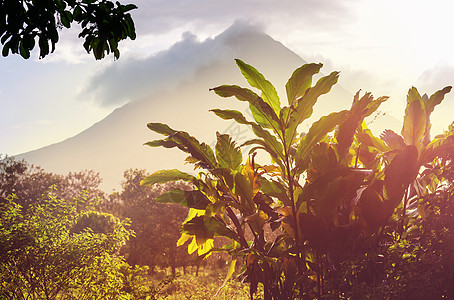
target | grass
x=204, y=286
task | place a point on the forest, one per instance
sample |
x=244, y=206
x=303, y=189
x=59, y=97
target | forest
x=332, y=213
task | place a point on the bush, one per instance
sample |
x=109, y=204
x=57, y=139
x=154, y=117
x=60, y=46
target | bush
x=43, y=257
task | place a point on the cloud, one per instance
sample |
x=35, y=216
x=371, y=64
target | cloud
x=160, y=16
x=158, y=20
x=133, y=79
x=433, y=80
x=436, y=78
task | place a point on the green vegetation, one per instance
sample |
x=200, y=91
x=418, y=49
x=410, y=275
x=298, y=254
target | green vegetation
x=156, y=225
x=104, y=24
x=51, y=251
x=60, y=239
x=336, y=212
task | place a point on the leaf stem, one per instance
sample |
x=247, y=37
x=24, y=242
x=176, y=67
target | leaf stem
x=239, y=230
x=404, y=212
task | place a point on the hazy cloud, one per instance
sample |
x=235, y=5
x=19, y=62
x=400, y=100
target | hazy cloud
x=160, y=16
x=133, y=79
x=158, y=20
x=436, y=78
x=431, y=81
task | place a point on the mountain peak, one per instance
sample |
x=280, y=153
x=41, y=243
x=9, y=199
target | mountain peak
x=169, y=87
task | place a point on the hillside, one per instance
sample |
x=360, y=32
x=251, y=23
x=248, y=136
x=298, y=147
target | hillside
x=116, y=142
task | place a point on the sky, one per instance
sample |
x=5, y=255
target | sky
x=384, y=47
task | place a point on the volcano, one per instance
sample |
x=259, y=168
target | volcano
x=115, y=143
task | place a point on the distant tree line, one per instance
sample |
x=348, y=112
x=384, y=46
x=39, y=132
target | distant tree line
x=63, y=227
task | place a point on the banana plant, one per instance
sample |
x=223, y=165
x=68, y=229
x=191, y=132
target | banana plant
x=406, y=161
x=279, y=215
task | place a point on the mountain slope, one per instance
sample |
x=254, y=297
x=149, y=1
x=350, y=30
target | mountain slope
x=116, y=142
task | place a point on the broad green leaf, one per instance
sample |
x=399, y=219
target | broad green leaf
x=436, y=98
x=196, y=227
x=162, y=143
x=275, y=189
x=201, y=153
x=373, y=208
x=219, y=228
x=192, y=199
x=402, y=170
x=183, y=238
x=265, y=146
x=300, y=81
x=286, y=114
x=243, y=189
x=164, y=176
x=316, y=133
x=257, y=80
x=430, y=104
x=305, y=105
x=268, y=139
x=264, y=115
x=192, y=247
x=415, y=119
x=440, y=146
x=361, y=108
x=262, y=112
x=229, y=114
x=257, y=220
x=323, y=160
x=369, y=148
x=205, y=248
x=366, y=138
x=160, y=128
x=227, y=153
x=392, y=139
x=242, y=94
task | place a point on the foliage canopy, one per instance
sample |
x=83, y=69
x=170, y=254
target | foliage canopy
x=329, y=196
x=104, y=24
x=52, y=251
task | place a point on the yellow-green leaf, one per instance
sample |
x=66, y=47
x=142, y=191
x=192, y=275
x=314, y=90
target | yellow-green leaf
x=415, y=119
x=228, y=153
x=192, y=199
x=257, y=80
x=300, y=81
x=164, y=176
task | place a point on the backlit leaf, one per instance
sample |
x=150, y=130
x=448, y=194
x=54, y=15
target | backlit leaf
x=430, y=104
x=192, y=199
x=305, y=104
x=415, y=119
x=242, y=94
x=228, y=114
x=361, y=108
x=164, y=176
x=402, y=170
x=392, y=139
x=243, y=188
x=262, y=112
x=161, y=128
x=436, y=98
x=316, y=133
x=300, y=81
x=201, y=153
x=227, y=153
x=258, y=81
